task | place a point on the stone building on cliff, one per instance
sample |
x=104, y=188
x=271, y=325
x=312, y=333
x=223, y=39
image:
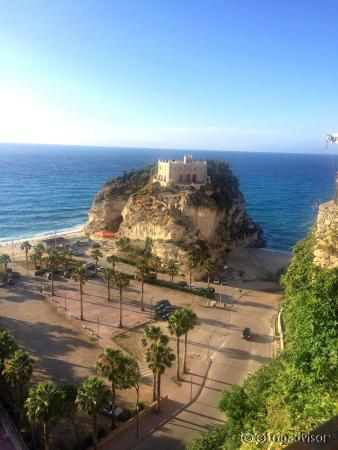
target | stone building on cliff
x=188, y=171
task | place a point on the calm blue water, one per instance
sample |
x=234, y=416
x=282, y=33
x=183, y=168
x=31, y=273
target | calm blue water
x=50, y=188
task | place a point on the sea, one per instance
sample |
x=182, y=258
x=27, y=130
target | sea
x=47, y=188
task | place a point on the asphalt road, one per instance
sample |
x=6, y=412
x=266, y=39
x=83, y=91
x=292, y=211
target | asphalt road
x=231, y=363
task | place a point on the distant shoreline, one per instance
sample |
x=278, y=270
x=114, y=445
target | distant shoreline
x=67, y=232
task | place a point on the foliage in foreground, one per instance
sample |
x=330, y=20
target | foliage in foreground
x=296, y=391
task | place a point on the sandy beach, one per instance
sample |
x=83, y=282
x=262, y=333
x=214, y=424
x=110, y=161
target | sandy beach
x=12, y=247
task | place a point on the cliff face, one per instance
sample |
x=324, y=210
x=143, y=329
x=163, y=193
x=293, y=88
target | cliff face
x=326, y=248
x=174, y=218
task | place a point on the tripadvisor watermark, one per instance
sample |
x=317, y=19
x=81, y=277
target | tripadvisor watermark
x=283, y=438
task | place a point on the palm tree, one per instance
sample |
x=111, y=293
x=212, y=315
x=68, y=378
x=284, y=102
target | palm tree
x=159, y=357
x=5, y=260
x=18, y=370
x=67, y=256
x=141, y=273
x=191, y=263
x=172, y=269
x=26, y=246
x=112, y=261
x=95, y=255
x=39, y=250
x=35, y=258
x=132, y=378
x=80, y=275
x=111, y=364
x=155, y=263
x=43, y=406
x=120, y=281
x=69, y=392
x=109, y=277
x=176, y=327
x=92, y=396
x=189, y=322
x=8, y=346
x=52, y=261
x=209, y=266
x=152, y=335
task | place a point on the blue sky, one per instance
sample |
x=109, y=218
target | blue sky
x=231, y=74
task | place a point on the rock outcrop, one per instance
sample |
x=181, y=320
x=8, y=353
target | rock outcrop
x=176, y=218
x=326, y=247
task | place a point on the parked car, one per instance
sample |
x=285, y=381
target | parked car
x=10, y=281
x=2, y=283
x=67, y=274
x=223, y=280
x=210, y=290
x=246, y=333
x=151, y=274
x=101, y=269
x=182, y=283
x=108, y=411
x=47, y=275
x=77, y=253
x=168, y=311
x=160, y=304
x=89, y=266
x=217, y=280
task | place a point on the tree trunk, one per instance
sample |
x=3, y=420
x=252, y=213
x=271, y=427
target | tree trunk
x=208, y=281
x=75, y=428
x=94, y=430
x=158, y=392
x=172, y=278
x=154, y=386
x=178, y=358
x=120, y=325
x=81, y=305
x=108, y=286
x=52, y=279
x=96, y=261
x=142, y=291
x=185, y=353
x=113, y=396
x=46, y=435
x=27, y=261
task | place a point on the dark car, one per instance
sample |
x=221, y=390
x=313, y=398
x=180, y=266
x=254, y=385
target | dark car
x=168, y=311
x=246, y=333
x=89, y=266
x=210, y=290
x=217, y=280
x=10, y=281
x=108, y=411
x=223, y=281
x=160, y=304
x=182, y=283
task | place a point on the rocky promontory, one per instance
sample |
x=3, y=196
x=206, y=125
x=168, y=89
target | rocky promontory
x=176, y=219
x=326, y=234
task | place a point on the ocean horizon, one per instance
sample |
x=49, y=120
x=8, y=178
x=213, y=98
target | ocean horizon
x=49, y=188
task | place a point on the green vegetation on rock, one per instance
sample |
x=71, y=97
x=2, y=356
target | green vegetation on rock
x=297, y=391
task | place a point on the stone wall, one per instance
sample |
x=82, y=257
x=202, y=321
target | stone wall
x=326, y=249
